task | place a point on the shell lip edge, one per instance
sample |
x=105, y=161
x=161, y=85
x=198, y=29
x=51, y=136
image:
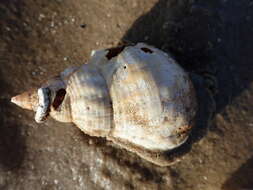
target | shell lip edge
x=43, y=109
x=162, y=158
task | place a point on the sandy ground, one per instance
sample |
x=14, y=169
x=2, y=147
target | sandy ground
x=38, y=39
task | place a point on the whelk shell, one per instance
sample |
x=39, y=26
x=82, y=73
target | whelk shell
x=136, y=96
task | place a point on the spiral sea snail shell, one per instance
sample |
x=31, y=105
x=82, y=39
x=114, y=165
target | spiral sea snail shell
x=136, y=96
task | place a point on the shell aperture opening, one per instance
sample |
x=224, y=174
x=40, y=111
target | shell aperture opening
x=60, y=95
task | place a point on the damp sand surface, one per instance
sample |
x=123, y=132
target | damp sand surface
x=39, y=39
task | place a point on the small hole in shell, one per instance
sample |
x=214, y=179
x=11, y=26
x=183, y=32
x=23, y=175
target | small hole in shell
x=146, y=50
x=88, y=108
x=113, y=52
x=125, y=67
x=83, y=25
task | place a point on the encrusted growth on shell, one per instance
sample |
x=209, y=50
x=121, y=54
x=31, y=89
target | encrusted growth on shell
x=137, y=96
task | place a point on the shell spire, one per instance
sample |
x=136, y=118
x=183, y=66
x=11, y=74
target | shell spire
x=27, y=100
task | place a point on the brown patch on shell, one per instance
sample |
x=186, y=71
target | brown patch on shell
x=184, y=131
x=133, y=114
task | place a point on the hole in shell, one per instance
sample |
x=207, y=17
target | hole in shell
x=124, y=67
x=113, y=52
x=166, y=119
x=83, y=25
x=88, y=108
x=146, y=50
x=60, y=95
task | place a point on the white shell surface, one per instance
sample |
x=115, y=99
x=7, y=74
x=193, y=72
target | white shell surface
x=153, y=99
x=90, y=102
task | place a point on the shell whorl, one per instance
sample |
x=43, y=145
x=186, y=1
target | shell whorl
x=90, y=101
x=153, y=98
